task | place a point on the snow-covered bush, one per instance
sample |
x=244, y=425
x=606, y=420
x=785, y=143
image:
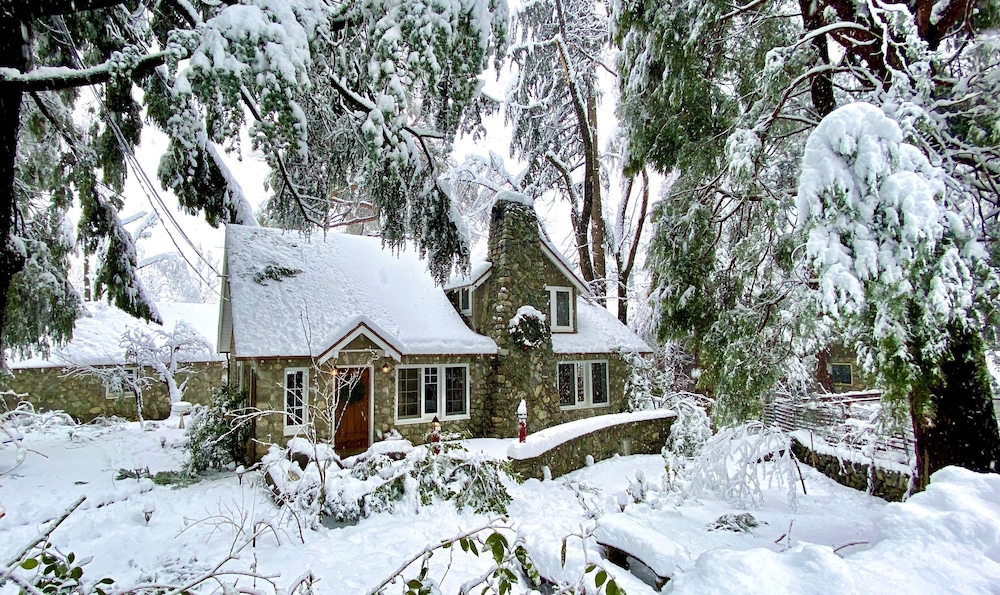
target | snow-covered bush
x=739, y=462
x=528, y=328
x=392, y=475
x=653, y=377
x=216, y=437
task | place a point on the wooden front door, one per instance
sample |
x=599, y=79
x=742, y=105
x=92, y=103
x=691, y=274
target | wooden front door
x=352, y=418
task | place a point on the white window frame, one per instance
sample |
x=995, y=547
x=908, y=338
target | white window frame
x=467, y=291
x=125, y=393
x=554, y=291
x=423, y=416
x=291, y=430
x=585, y=367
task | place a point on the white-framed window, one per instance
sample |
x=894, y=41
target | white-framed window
x=465, y=301
x=119, y=385
x=423, y=392
x=582, y=384
x=296, y=404
x=561, y=308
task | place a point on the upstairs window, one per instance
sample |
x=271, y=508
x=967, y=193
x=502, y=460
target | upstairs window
x=561, y=308
x=582, y=384
x=296, y=399
x=465, y=301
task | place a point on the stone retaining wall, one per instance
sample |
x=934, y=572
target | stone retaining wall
x=890, y=485
x=630, y=438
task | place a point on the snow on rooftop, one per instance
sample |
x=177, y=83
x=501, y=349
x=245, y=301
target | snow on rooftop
x=549, y=438
x=476, y=273
x=598, y=331
x=96, y=335
x=290, y=294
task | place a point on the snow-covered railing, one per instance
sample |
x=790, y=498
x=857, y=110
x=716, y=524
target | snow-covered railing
x=566, y=447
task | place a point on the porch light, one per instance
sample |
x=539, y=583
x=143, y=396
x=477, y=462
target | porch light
x=334, y=371
x=385, y=366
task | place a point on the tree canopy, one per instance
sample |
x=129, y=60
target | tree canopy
x=383, y=86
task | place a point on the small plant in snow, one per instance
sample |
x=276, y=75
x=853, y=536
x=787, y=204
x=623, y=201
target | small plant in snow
x=739, y=462
x=737, y=523
x=528, y=328
x=216, y=436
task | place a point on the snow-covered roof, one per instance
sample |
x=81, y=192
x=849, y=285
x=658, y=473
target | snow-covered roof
x=96, y=335
x=479, y=272
x=295, y=296
x=598, y=331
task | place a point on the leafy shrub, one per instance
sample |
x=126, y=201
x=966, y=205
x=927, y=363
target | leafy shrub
x=392, y=474
x=216, y=437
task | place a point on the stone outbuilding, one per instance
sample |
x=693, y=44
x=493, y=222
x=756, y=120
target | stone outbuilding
x=340, y=336
x=50, y=383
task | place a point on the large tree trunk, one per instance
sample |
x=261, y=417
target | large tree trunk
x=13, y=54
x=597, y=232
x=954, y=421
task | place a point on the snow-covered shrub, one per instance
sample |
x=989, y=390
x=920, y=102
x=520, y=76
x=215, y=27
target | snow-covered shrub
x=653, y=377
x=216, y=437
x=528, y=328
x=739, y=462
x=392, y=475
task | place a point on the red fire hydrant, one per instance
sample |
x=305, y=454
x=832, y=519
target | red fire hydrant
x=522, y=421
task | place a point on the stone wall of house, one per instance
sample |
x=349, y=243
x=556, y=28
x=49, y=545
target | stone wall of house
x=639, y=437
x=890, y=485
x=84, y=397
x=270, y=394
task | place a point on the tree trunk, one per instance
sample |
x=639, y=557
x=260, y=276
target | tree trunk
x=597, y=232
x=13, y=54
x=954, y=421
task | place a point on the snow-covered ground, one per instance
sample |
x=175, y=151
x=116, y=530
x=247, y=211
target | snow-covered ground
x=945, y=540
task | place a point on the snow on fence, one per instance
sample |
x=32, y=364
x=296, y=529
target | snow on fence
x=567, y=447
x=847, y=437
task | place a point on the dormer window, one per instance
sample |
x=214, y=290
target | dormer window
x=465, y=301
x=561, y=308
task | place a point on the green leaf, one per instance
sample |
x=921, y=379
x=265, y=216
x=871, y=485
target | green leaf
x=414, y=584
x=465, y=544
x=106, y=581
x=612, y=588
x=70, y=557
x=29, y=563
x=472, y=546
x=600, y=578
x=562, y=554
x=76, y=573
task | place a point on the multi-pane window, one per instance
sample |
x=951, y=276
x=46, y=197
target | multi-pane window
x=296, y=397
x=121, y=383
x=455, y=380
x=582, y=384
x=561, y=308
x=407, y=392
x=423, y=392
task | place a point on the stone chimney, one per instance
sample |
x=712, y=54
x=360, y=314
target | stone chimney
x=517, y=280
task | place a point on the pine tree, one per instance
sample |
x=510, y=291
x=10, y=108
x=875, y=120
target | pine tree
x=202, y=67
x=727, y=95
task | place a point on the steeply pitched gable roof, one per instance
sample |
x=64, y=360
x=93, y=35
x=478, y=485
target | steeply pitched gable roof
x=291, y=295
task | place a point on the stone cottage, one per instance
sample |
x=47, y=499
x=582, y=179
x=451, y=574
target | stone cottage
x=47, y=384
x=340, y=336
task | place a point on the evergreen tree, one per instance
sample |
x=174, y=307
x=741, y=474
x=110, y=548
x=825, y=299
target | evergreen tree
x=727, y=95
x=202, y=67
